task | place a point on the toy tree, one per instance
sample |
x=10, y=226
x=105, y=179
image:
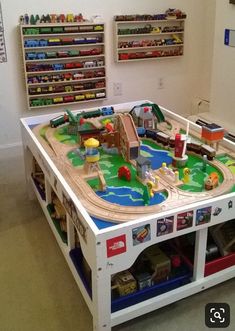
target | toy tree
x=146, y=196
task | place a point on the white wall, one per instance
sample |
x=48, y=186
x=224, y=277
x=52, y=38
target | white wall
x=223, y=70
x=182, y=77
x=204, y=88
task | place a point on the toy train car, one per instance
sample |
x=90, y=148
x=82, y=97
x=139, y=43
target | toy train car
x=152, y=134
x=59, y=120
x=209, y=151
x=90, y=114
x=79, y=97
x=68, y=98
x=194, y=147
x=30, y=31
x=54, y=42
x=163, y=138
x=172, y=142
x=202, y=149
x=100, y=95
x=104, y=111
x=141, y=131
x=40, y=102
x=57, y=100
x=45, y=30
x=212, y=181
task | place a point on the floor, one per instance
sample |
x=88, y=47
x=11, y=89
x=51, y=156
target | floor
x=37, y=290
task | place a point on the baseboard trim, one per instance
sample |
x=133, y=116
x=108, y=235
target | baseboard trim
x=13, y=145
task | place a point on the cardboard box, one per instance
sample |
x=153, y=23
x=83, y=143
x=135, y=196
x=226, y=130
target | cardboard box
x=159, y=263
x=125, y=283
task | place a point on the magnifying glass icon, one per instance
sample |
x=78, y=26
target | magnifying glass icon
x=217, y=315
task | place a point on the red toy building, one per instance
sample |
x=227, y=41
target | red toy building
x=179, y=145
x=180, y=159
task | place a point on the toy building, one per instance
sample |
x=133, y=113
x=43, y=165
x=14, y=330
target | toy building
x=143, y=165
x=144, y=117
x=212, y=134
x=129, y=140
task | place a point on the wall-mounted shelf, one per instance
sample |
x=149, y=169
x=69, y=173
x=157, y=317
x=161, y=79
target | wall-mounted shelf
x=59, y=55
x=148, y=39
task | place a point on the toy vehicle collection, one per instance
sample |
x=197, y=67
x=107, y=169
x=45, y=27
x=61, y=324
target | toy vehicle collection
x=31, y=67
x=40, y=102
x=62, y=29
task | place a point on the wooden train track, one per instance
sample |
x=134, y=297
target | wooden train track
x=102, y=209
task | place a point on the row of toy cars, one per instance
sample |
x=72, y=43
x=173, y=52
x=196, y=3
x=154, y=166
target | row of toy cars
x=66, y=88
x=147, y=43
x=62, y=29
x=40, y=102
x=63, y=66
x=53, y=54
x=65, y=77
x=50, y=18
x=61, y=41
x=148, y=28
x=169, y=14
x=150, y=54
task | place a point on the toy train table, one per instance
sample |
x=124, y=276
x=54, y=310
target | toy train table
x=123, y=178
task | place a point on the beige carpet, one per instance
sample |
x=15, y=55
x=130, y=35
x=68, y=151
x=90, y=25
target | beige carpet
x=37, y=290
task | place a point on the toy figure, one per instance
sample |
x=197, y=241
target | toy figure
x=32, y=20
x=48, y=19
x=61, y=18
x=163, y=169
x=70, y=18
x=21, y=19
x=176, y=176
x=79, y=18
x=53, y=18
x=186, y=178
x=37, y=19
x=26, y=19
x=43, y=19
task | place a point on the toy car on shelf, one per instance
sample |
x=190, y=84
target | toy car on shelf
x=73, y=53
x=45, y=30
x=68, y=98
x=90, y=96
x=71, y=29
x=54, y=42
x=79, y=97
x=51, y=54
x=58, y=100
x=62, y=54
x=31, y=31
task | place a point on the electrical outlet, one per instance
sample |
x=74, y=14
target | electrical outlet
x=161, y=83
x=117, y=89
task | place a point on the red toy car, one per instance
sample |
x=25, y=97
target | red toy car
x=69, y=98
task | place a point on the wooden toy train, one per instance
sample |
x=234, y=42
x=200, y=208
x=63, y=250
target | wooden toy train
x=62, y=119
x=166, y=140
x=40, y=102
